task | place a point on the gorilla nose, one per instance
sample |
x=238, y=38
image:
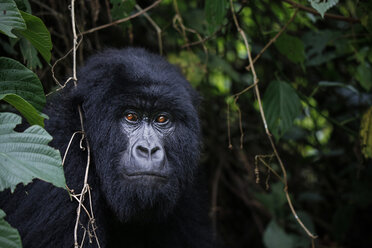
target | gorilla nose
x=148, y=157
x=147, y=152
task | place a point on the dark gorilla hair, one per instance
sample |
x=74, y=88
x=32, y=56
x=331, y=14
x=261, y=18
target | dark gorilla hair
x=140, y=118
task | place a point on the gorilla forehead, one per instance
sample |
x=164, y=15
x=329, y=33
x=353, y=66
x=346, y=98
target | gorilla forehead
x=137, y=78
x=134, y=66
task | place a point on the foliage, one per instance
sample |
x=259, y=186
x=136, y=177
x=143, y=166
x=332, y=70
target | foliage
x=24, y=155
x=214, y=13
x=37, y=33
x=22, y=88
x=281, y=106
x=291, y=47
x=275, y=237
x=9, y=237
x=316, y=82
x=323, y=5
x=11, y=18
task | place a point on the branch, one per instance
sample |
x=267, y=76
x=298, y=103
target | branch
x=157, y=28
x=326, y=15
x=273, y=39
x=86, y=187
x=269, y=135
x=122, y=20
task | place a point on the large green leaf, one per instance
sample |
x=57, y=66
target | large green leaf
x=275, y=237
x=37, y=34
x=323, y=5
x=15, y=78
x=215, y=11
x=25, y=156
x=10, y=18
x=281, y=105
x=9, y=236
x=292, y=47
x=27, y=110
x=29, y=53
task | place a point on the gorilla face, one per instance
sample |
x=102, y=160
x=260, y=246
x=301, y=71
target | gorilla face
x=142, y=124
x=145, y=156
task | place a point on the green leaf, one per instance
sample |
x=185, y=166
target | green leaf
x=292, y=47
x=32, y=116
x=23, y=5
x=364, y=76
x=366, y=133
x=121, y=9
x=281, y=105
x=215, y=11
x=275, y=237
x=9, y=236
x=317, y=46
x=10, y=18
x=322, y=5
x=25, y=156
x=15, y=78
x=273, y=201
x=29, y=54
x=37, y=34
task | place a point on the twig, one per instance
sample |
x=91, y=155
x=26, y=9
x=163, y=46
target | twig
x=178, y=19
x=157, y=28
x=273, y=39
x=86, y=187
x=236, y=97
x=255, y=80
x=212, y=35
x=68, y=146
x=122, y=20
x=260, y=158
x=326, y=15
x=61, y=86
x=200, y=41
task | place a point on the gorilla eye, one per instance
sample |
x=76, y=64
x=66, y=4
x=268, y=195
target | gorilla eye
x=131, y=117
x=162, y=119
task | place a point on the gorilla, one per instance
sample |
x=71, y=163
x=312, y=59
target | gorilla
x=141, y=121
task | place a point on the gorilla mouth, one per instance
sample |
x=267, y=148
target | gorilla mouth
x=146, y=174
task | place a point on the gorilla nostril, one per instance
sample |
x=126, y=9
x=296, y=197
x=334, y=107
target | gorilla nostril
x=143, y=151
x=155, y=149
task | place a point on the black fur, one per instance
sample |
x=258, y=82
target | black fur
x=127, y=214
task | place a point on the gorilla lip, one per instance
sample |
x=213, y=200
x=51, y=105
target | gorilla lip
x=146, y=174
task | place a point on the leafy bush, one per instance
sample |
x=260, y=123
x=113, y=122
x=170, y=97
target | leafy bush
x=24, y=155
